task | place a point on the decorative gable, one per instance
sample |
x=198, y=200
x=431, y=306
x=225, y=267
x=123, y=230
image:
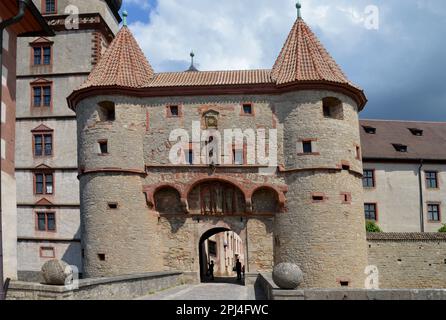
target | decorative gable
x=44, y=202
x=42, y=128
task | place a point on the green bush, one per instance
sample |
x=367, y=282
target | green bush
x=443, y=228
x=371, y=226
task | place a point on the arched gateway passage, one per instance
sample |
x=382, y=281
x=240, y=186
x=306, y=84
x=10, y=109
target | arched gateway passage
x=205, y=251
x=216, y=220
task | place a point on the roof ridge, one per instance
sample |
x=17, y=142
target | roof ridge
x=212, y=71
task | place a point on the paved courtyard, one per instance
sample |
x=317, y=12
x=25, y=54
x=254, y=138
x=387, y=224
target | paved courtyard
x=208, y=291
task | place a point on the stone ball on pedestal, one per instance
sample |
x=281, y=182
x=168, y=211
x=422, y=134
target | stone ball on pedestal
x=55, y=272
x=287, y=276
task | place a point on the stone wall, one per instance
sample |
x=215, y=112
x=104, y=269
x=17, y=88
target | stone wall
x=322, y=228
x=181, y=237
x=117, y=241
x=272, y=292
x=410, y=260
x=113, y=288
x=327, y=238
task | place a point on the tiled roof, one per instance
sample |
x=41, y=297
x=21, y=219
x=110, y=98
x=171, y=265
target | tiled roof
x=303, y=58
x=203, y=78
x=428, y=146
x=123, y=64
x=303, y=62
x=380, y=236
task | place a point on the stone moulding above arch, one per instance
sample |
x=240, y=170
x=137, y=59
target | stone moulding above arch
x=248, y=188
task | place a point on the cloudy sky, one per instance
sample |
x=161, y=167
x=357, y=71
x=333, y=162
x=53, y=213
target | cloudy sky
x=401, y=65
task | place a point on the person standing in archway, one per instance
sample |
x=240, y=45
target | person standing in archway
x=211, y=270
x=238, y=268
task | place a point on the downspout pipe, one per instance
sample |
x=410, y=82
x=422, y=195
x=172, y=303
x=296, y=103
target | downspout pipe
x=420, y=181
x=3, y=25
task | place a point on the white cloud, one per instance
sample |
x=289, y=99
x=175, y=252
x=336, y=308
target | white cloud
x=239, y=34
x=230, y=34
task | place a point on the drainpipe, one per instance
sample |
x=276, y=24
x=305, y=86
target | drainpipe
x=420, y=180
x=3, y=25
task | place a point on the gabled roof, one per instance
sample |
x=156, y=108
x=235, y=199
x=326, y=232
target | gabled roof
x=123, y=64
x=304, y=58
x=380, y=146
x=207, y=78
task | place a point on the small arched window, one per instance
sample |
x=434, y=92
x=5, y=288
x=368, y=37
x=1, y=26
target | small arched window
x=332, y=108
x=106, y=111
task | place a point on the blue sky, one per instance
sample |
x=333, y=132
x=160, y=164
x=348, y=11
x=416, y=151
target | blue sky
x=401, y=65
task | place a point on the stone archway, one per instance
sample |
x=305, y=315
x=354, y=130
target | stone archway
x=203, y=256
x=216, y=198
x=211, y=206
x=265, y=200
x=167, y=200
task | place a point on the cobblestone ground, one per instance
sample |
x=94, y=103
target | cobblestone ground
x=209, y=291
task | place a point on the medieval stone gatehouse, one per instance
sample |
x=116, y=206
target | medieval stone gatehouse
x=142, y=212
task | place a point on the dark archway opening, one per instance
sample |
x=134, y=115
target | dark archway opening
x=224, y=248
x=168, y=201
x=216, y=198
x=265, y=201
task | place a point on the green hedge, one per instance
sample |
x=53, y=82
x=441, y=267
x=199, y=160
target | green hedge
x=443, y=228
x=371, y=226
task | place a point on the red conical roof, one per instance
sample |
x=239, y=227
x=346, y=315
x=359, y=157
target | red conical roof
x=303, y=58
x=123, y=64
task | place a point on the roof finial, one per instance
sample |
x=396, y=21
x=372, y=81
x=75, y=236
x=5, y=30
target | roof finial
x=298, y=6
x=192, y=67
x=125, y=15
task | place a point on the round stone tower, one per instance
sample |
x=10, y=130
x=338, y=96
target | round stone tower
x=323, y=228
x=118, y=235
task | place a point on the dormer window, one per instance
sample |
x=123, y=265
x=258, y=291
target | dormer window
x=416, y=132
x=369, y=130
x=400, y=147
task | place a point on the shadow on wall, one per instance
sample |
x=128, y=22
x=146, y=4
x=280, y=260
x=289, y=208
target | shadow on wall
x=73, y=254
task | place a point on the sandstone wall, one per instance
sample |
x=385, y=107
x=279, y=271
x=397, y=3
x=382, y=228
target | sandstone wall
x=181, y=237
x=326, y=236
x=126, y=236
x=409, y=260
